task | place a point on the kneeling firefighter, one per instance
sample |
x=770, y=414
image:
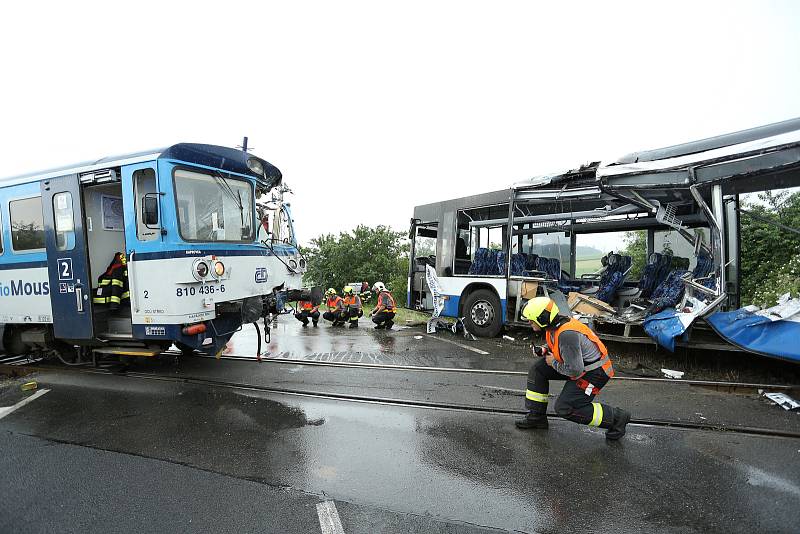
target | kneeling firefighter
x=305, y=311
x=352, y=306
x=335, y=313
x=575, y=354
x=385, y=308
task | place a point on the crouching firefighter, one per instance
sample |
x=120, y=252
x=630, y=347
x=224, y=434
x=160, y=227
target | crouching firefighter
x=575, y=354
x=305, y=311
x=352, y=307
x=335, y=313
x=112, y=285
x=385, y=308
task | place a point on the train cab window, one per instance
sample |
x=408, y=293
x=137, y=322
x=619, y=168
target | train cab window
x=214, y=207
x=27, y=224
x=64, y=221
x=144, y=183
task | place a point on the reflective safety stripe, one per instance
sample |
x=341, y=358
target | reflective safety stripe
x=535, y=396
x=597, y=417
x=105, y=282
x=116, y=283
x=99, y=300
x=126, y=295
x=115, y=300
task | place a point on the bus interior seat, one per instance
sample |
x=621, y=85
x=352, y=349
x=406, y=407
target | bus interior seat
x=518, y=263
x=485, y=262
x=669, y=293
x=621, y=267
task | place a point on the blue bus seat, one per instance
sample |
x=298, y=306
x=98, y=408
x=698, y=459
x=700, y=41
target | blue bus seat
x=613, y=278
x=669, y=292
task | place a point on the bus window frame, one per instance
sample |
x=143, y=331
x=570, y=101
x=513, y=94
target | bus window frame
x=11, y=230
x=503, y=275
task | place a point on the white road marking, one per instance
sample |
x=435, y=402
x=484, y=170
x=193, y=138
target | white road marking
x=8, y=409
x=473, y=349
x=329, y=520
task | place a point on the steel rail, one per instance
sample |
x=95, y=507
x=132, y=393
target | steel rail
x=389, y=401
x=421, y=368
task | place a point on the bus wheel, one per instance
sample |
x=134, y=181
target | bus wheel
x=482, y=315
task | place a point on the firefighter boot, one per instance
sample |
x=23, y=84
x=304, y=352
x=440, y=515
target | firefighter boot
x=617, y=428
x=536, y=418
x=354, y=324
x=389, y=324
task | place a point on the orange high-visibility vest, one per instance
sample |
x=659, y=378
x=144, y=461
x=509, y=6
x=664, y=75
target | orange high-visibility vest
x=306, y=305
x=390, y=306
x=350, y=300
x=333, y=302
x=573, y=324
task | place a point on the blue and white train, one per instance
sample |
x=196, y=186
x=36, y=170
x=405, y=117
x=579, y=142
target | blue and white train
x=201, y=250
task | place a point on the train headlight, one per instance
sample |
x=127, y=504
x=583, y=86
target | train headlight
x=200, y=269
x=219, y=269
x=254, y=165
x=302, y=263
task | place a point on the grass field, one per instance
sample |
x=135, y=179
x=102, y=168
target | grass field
x=587, y=265
x=403, y=315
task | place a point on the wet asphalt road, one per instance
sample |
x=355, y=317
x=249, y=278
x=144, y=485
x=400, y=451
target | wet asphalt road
x=104, y=453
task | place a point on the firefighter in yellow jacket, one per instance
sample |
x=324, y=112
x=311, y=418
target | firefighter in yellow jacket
x=112, y=285
x=576, y=355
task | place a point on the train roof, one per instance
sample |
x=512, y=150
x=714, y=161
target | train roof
x=229, y=159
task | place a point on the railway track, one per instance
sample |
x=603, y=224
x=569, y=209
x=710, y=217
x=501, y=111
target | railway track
x=390, y=401
x=419, y=368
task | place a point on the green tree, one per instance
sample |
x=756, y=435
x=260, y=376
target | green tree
x=636, y=248
x=364, y=254
x=766, y=249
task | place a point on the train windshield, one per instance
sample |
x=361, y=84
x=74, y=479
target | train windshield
x=213, y=207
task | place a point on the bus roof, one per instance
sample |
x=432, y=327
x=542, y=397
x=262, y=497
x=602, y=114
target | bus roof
x=711, y=143
x=229, y=159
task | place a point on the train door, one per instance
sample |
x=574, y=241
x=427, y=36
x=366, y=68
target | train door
x=67, y=258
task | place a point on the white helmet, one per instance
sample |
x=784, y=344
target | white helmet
x=378, y=287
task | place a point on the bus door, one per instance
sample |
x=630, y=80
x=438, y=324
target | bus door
x=67, y=258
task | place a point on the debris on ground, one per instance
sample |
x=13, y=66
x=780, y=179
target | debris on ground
x=509, y=338
x=669, y=373
x=783, y=400
x=417, y=337
x=29, y=386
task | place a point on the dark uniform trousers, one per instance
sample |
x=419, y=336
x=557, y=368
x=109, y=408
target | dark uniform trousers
x=383, y=318
x=304, y=315
x=334, y=316
x=353, y=314
x=573, y=403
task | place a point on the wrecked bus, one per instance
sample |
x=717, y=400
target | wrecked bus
x=490, y=253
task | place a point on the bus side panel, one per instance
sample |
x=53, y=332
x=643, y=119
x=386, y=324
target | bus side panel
x=453, y=287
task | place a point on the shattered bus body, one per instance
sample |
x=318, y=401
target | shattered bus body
x=495, y=251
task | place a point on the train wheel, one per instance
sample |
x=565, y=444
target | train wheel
x=186, y=350
x=12, y=341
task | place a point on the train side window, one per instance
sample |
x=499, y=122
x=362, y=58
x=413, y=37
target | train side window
x=144, y=183
x=27, y=224
x=64, y=221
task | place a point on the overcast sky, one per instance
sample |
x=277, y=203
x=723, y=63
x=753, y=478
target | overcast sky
x=370, y=108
